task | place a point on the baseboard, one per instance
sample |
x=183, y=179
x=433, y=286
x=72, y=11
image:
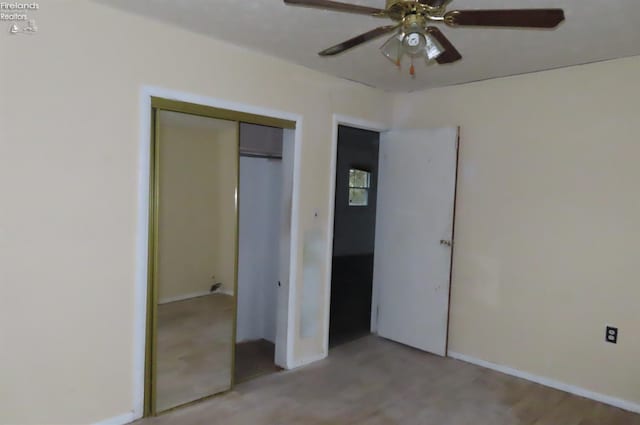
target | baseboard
x=119, y=420
x=184, y=297
x=193, y=295
x=547, y=382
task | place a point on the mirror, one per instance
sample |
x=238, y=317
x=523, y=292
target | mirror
x=195, y=272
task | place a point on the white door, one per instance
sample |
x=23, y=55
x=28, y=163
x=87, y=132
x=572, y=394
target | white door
x=414, y=226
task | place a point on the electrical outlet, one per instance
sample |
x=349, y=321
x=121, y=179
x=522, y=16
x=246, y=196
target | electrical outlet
x=612, y=335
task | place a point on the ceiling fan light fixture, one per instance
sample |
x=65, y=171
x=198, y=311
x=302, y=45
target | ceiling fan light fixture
x=414, y=43
x=433, y=48
x=393, y=49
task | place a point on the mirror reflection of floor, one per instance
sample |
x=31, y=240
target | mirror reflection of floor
x=254, y=359
x=194, y=341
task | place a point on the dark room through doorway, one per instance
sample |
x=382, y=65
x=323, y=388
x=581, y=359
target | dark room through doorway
x=353, y=234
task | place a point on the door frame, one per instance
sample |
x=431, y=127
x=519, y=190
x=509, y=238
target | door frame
x=156, y=98
x=361, y=124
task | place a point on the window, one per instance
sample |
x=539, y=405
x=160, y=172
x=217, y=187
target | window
x=359, y=184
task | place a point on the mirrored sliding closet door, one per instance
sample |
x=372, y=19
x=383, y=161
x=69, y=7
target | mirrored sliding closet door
x=196, y=181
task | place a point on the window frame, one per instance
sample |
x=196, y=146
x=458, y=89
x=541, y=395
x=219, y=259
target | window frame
x=366, y=188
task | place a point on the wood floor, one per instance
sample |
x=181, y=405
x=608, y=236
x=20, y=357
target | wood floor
x=254, y=359
x=194, y=349
x=377, y=382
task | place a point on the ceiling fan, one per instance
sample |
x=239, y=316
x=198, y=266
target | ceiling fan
x=416, y=38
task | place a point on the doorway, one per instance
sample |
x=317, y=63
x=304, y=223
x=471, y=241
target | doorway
x=264, y=157
x=414, y=226
x=354, y=234
x=192, y=300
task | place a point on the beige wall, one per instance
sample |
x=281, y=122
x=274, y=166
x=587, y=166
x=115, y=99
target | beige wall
x=196, y=218
x=69, y=152
x=547, y=221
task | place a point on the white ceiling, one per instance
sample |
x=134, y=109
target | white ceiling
x=595, y=30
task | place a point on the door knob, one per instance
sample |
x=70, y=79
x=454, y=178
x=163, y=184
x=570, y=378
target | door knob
x=445, y=242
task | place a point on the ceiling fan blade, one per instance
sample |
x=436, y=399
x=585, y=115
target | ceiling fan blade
x=450, y=54
x=338, y=6
x=356, y=41
x=435, y=3
x=518, y=18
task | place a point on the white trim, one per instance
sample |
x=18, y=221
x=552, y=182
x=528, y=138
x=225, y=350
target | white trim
x=142, y=234
x=295, y=240
x=119, y=420
x=153, y=91
x=142, y=248
x=548, y=382
x=363, y=125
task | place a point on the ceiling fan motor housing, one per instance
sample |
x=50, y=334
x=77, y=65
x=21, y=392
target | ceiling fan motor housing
x=399, y=9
